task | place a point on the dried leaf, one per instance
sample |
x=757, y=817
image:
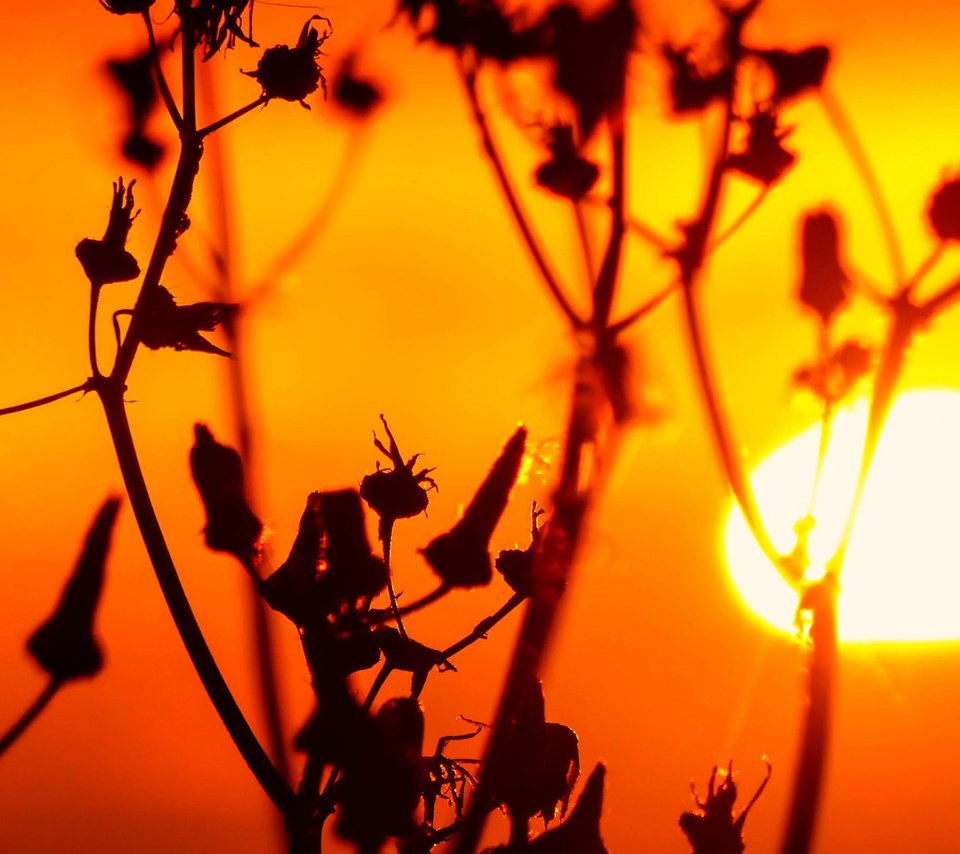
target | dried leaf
x=461, y=557
x=796, y=72
x=764, y=159
x=65, y=646
x=163, y=323
x=218, y=474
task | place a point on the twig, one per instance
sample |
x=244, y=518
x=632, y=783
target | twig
x=30, y=715
x=87, y=385
x=385, y=529
x=639, y=313
x=480, y=630
x=741, y=219
x=610, y=267
x=382, y=615
x=165, y=92
x=468, y=77
x=236, y=114
x=844, y=130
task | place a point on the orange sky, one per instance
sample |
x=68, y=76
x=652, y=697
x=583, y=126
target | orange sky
x=419, y=301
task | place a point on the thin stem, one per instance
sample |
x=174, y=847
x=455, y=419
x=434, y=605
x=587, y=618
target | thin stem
x=263, y=638
x=938, y=302
x=733, y=468
x=844, y=130
x=386, y=535
x=583, y=233
x=276, y=788
x=480, y=630
x=739, y=222
x=313, y=227
x=165, y=92
x=92, y=330
x=610, y=267
x=30, y=715
x=468, y=77
x=928, y=264
x=236, y=114
x=378, y=615
x=84, y=387
x=639, y=313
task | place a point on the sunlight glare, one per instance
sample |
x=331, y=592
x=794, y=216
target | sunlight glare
x=901, y=577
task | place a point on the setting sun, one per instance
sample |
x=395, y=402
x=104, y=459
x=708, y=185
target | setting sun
x=900, y=579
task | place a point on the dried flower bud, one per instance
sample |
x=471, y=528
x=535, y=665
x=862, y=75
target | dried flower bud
x=692, y=89
x=290, y=588
x=218, y=474
x=217, y=23
x=516, y=565
x=461, y=557
x=764, y=159
x=352, y=571
x=944, y=210
x=397, y=492
x=581, y=831
x=823, y=282
x=292, y=73
x=107, y=260
x=566, y=173
x=64, y=646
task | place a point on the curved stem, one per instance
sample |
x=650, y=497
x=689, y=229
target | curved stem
x=844, y=130
x=376, y=616
x=165, y=92
x=468, y=77
x=741, y=219
x=30, y=715
x=639, y=313
x=583, y=233
x=194, y=642
x=84, y=387
x=737, y=478
x=610, y=267
x=92, y=330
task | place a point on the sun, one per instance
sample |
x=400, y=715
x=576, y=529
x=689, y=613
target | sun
x=901, y=578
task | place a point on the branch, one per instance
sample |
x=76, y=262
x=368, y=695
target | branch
x=165, y=92
x=236, y=114
x=468, y=77
x=30, y=715
x=84, y=387
x=480, y=630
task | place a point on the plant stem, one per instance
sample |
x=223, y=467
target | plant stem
x=165, y=92
x=92, y=330
x=243, y=424
x=382, y=615
x=610, y=267
x=236, y=114
x=386, y=536
x=480, y=630
x=30, y=715
x=844, y=130
x=816, y=730
x=552, y=567
x=469, y=79
x=276, y=788
x=84, y=387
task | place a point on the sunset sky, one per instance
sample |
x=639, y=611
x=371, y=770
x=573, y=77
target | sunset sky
x=419, y=301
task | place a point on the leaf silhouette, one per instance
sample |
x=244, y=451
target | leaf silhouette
x=764, y=159
x=823, y=282
x=461, y=557
x=163, y=323
x=218, y=474
x=796, y=72
x=64, y=645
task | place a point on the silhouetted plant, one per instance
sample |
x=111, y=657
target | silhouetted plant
x=366, y=763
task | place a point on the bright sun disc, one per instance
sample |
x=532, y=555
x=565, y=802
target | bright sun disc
x=901, y=577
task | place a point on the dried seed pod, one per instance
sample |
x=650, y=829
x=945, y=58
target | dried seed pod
x=461, y=557
x=292, y=73
x=65, y=646
x=823, y=281
x=397, y=492
x=218, y=474
x=107, y=260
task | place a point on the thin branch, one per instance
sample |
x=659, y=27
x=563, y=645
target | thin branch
x=165, y=92
x=847, y=135
x=30, y=715
x=468, y=77
x=386, y=535
x=383, y=615
x=587, y=249
x=928, y=264
x=639, y=313
x=739, y=222
x=938, y=302
x=87, y=385
x=610, y=267
x=276, y=788
x=232, y=117
x=480, y=630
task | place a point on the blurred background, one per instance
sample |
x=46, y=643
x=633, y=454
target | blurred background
x=418, y=300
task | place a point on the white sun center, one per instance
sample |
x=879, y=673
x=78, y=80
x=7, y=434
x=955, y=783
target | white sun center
x=901, y=576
